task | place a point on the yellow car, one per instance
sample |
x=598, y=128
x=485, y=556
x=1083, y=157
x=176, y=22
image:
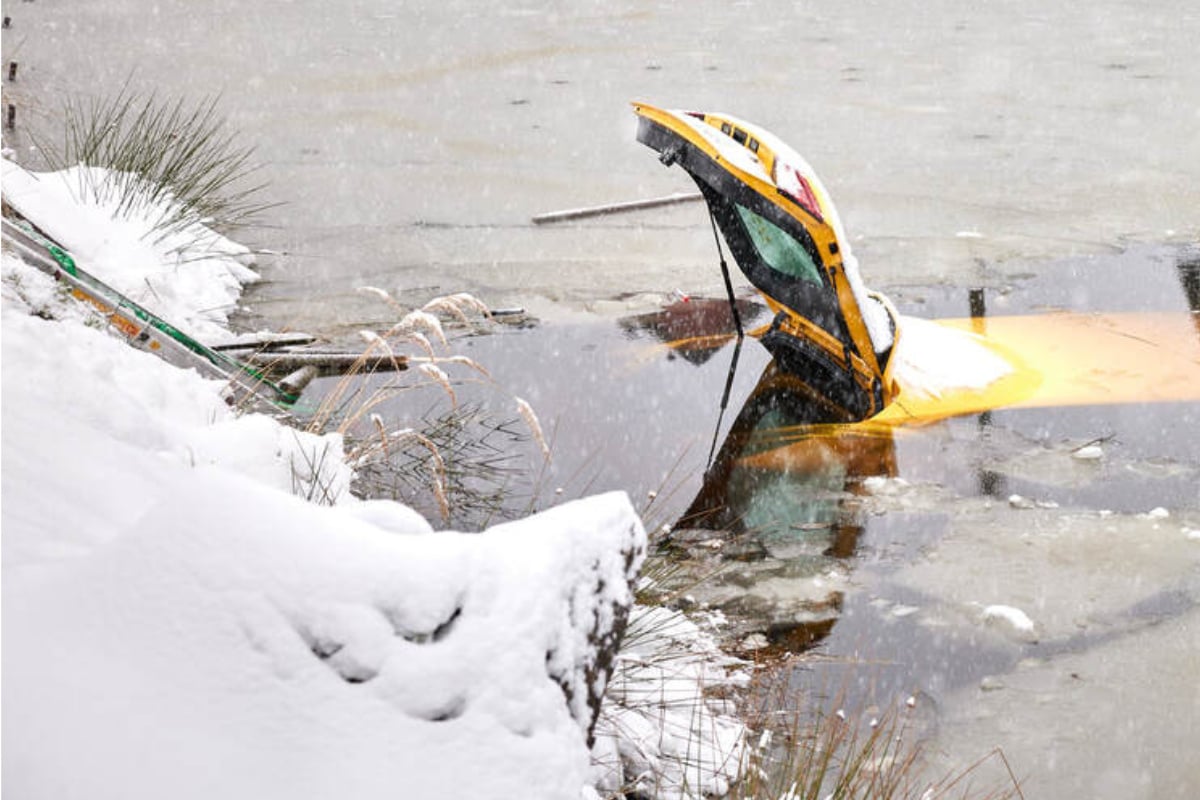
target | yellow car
x=848, y=348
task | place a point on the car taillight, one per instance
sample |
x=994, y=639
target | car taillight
x=789, y=181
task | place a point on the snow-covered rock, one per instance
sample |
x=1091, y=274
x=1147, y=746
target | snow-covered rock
x=1010, y=619
x=1089, y=452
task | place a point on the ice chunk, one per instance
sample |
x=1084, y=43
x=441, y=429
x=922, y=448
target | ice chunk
x=1091, y=452
x=1015, y=618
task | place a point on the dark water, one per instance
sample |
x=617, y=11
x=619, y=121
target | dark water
x=622, y=410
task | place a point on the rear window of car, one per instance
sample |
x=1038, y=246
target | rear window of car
x=778, y=249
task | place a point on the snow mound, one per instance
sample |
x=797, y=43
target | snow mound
x=309, y=654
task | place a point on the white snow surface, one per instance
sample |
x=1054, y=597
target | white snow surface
x=191, y=277
x=179, y=623
x=932, y=359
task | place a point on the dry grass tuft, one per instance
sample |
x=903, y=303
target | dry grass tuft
x=455, y=460
x=806, y=752
x=690, y=722
x=156, y=150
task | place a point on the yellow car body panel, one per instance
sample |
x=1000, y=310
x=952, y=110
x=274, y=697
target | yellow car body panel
x=1068, y=358
x=1057, y=359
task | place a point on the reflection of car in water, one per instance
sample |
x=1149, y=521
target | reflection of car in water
x=775, y=494
x=705, y=323
x=779, y=441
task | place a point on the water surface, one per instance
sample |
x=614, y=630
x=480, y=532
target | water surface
x=882, y=556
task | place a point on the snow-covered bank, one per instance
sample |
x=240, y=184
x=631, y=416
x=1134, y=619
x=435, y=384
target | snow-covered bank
x=262, y=647
x=660, y=736
x=179, y=623
x=191, y=276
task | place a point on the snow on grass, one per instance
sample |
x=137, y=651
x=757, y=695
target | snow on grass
x=191, y=277
x=659, y=734
x=104, y=408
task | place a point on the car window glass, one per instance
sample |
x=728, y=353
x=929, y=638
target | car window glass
x=779, y=250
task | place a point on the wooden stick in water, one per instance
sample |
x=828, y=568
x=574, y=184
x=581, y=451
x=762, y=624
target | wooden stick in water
x=615, y=208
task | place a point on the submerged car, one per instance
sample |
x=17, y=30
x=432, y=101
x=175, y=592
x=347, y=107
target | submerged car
x=850, y=381
x=848, y=347
x=785, y=235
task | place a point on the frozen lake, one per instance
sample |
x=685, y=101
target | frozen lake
x=1046, y=153
x=413, y=142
